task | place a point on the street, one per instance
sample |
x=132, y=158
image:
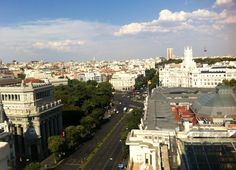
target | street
x=110, y=154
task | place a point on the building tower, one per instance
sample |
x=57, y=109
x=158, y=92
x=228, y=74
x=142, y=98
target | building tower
x=188, y=61
x=169, y=53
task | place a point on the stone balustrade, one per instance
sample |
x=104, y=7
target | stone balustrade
x=49, y=106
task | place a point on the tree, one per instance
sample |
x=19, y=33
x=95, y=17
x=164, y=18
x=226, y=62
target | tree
x=88, y=122
x=150, y=75
x=132, y=122
x=140, y=82
x=71, y=136
x=56, y=146
x=21, y=76
x=81, y=98
x=231, y=82
x=33, y=166
x=88, y=106
x=81, y=131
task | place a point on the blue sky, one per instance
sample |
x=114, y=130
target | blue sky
x=55, y=30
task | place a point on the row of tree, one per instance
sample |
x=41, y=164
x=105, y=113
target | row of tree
x=231, y=82
x=83, y=100
x=209, y=61
x=85, y=104
x=132, y=122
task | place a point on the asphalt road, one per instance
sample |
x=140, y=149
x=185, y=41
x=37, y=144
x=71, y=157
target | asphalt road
x=110, y=154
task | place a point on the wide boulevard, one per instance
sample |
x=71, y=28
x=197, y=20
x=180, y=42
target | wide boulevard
x=110, y=153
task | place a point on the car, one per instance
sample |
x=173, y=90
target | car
x=117, y=111
x=125, y=109
x=120, y=166
x=131, y=109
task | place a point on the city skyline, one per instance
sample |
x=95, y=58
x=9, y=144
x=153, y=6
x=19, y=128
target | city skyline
x=60, y=31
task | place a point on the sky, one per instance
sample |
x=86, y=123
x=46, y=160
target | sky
x=64, y=30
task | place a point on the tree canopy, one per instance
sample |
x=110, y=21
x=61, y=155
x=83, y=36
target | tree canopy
x=80, y=99
x=132, y=122
x=231, y=82
x=151, y=75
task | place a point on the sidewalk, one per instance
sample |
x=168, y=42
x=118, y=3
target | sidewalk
x=49, y=163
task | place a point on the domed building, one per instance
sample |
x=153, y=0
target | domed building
x=221, y=103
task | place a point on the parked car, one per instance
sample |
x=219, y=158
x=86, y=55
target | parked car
x=121, y=166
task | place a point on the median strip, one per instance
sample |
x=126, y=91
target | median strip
x=99, y=145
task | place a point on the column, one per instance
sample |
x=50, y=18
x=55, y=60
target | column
x=47, y=128
x=154, y=164
x=19, y=138
x=56, y=125
x=60, y=121
x=51, y=127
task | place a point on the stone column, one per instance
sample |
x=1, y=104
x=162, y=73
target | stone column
x=47, y=128
x=60, y=122
x=56, y=123
x=154, y=164
x=19, y=138
x=51, y=127
x=55, y=126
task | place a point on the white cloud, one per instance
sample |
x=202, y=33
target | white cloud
x=63, y=45
x=66, y=39
x=223, y=2
x=176, y=21
x=132, y=28
x=167, y=15
x=230, y=20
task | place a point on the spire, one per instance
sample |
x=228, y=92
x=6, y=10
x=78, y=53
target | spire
x=3, y=115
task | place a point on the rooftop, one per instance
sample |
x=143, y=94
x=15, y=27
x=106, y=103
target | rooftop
x=159, y=114
x=220, y=102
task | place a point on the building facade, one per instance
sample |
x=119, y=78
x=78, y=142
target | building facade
x=185, y=128
x=4, y=156
x=34, y=115
x=123, y=81
x=187, y=74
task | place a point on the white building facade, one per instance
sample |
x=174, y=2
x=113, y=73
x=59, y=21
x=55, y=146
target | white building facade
x=34, y=115
x=5, y=155
x=187, y=74
x=123, y=81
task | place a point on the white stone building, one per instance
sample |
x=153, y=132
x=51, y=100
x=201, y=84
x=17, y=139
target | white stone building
x=35, y=116
x=187, y=74
x=146, y=146
x=123, y=81
x=4, y=156
x=164, y=141
x=7, y=148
